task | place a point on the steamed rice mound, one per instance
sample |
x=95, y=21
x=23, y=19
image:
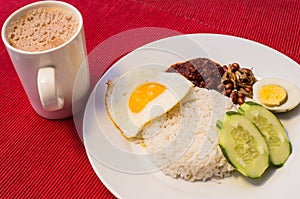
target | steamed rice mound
x=183, y=142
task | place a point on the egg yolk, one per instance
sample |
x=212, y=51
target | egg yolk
x=272, y=95
x=144, y=94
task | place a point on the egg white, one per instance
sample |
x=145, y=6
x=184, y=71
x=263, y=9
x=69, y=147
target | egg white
x=293, y=94
x=120, y=90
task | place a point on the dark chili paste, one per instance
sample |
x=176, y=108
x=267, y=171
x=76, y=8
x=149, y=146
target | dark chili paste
x=202, y=72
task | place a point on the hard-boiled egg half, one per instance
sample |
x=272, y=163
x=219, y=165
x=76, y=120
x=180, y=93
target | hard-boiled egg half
x=275, y=94
x=140, y=95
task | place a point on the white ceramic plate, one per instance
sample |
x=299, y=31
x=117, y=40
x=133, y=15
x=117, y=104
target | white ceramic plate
x=121, y=165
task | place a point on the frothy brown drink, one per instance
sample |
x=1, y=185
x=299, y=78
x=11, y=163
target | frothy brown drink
x=42, y=28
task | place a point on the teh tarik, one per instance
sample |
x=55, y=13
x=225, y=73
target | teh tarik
x=42, y=28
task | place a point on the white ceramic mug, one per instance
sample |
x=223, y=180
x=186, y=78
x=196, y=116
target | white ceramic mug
x=48, y=76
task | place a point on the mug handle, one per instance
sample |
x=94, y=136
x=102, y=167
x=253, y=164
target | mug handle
x=47, y=89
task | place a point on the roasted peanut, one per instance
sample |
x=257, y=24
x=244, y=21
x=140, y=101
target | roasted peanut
x=247, y=71
x=228, y=92
x=248, y=89
x=229, y=85
x=233, y=97
x=234, y=67
x=240, y=100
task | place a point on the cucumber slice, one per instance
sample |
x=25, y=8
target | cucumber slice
x=243, y=145
x=270, y=126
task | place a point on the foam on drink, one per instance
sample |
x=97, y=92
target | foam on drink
x=42, y=28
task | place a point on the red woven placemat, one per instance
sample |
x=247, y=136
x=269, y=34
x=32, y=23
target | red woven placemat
x=45, y=158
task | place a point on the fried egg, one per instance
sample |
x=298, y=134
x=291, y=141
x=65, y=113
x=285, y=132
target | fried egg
x=275, y=94
x=140, y=95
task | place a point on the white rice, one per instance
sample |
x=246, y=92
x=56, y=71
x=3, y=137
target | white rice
x=183, y=142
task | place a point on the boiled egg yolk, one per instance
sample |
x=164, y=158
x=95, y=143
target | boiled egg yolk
x=272, y=95
x=144, y=94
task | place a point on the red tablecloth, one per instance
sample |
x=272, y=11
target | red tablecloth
x=45, y=158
